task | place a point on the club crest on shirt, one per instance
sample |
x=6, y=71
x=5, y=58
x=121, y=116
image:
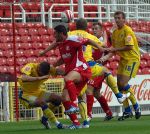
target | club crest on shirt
x=129, y=38
x=27, y=68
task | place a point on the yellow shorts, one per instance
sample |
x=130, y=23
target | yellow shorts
x=83, y=90
x=28, y=100
x=128, y=68
x=96, y=68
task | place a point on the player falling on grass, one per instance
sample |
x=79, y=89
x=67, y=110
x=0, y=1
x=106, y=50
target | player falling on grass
x=126, y=46
x=94, y=85
x=76, y=68
x=33, y=75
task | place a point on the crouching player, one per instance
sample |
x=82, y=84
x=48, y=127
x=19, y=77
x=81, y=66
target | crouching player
x=33, y=76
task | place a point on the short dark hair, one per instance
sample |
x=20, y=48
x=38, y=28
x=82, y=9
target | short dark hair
x=99, y=24
x=81, y=24
x=44, y=68
x=61, y=29
x=120, y=12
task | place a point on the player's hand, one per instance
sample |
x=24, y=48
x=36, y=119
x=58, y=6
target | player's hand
x=101, y=60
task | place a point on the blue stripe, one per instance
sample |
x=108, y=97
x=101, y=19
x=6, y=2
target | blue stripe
x=127, y=87
x=92, y=63
x=132, y=68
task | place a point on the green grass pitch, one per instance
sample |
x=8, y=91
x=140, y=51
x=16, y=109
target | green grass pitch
x=97, y=126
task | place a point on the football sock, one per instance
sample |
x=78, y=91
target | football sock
x=83, y=110
x=90, y=101
x=73, y=117
x=111, y=82
x=132, y=98
x=104, y=105
x=72, y=90
x=49, y=114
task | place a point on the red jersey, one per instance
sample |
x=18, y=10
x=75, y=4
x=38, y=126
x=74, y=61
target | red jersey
x=71, y=53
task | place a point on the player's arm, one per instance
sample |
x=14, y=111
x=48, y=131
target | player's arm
x=95, y=44
x=52, y=46
x=26, y=78
x=105, y=58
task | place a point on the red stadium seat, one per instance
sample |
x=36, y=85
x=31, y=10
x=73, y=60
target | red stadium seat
x=5, y=39
x=25, y=39
x=32, y=60
x=4, y=32
x=3, y=61
x=10, y=61
x=36, y=38
x=22, y=31
x=42, y=31
x=37, y=45
x=38, y=25
x=146, y=71
x=17, y=38
x=8, y=53
x=20, y=53
x=33, y=31
x=6, y=46
x=3, y=69
x=143, y=64
x=21, y=61
x=25, y=46
x=41, y=59
x=146, y=56
x=45, y=38
x=29, y=53
x=50, y=31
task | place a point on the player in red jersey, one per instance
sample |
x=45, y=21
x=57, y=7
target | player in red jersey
x=76, y=68
x=94, y=85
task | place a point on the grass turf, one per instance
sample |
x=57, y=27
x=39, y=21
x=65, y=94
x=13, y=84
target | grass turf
x=97, y=126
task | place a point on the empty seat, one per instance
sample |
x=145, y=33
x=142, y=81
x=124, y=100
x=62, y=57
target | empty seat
x=33, y=31
x=42, y=31
x=36, y=38
x=22, y=31
x=4, y=32
x=5, y=39
x=25, y=39
x=3, y=61
x=21, y=61
x=10, y=61
x=146, y=71
x=37, y=45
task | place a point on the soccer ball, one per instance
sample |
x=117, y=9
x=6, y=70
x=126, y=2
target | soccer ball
x=67, y=16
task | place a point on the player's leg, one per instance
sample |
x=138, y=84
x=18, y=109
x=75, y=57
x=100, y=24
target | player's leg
x=44, y=98
x=29, y=102
x=89, y=99
x=83, y=107
x=103, y=102
x=99, y=70
x=67, y=104
x=126, y=71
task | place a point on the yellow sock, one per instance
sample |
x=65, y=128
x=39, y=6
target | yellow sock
x=111, y=82
x=83, y=110
x=132, y=97
x=52, y=107
x=50, y=115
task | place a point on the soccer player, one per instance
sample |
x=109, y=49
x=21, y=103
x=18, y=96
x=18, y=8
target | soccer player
x=76, y=68
x=97, y=69
x=94, y=85
x=126, y=46
x=32, y=77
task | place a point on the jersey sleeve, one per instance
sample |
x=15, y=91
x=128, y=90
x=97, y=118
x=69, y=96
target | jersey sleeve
x=129, y=40
x=27, y=69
